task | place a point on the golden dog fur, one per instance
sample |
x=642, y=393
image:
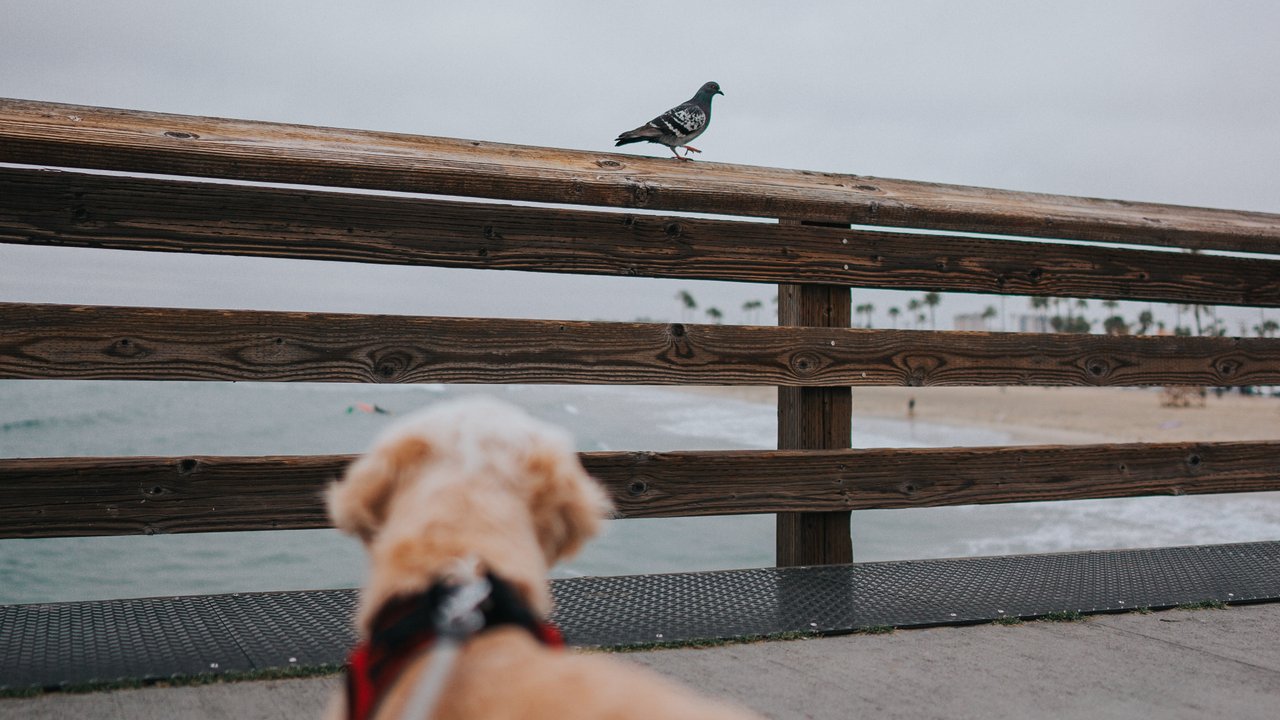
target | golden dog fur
x=481, y=479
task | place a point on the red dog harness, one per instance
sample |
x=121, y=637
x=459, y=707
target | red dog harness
x=407, y=626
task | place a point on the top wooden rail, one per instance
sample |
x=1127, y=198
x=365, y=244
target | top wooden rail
x=54, y=134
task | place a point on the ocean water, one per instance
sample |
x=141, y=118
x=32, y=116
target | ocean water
x=47, y=418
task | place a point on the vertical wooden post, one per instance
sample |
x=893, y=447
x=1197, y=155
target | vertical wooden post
x=814, y=418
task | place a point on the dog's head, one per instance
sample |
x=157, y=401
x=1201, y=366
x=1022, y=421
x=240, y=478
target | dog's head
x=489, y=445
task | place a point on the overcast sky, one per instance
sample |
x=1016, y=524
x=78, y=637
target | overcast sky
x=1172, y=102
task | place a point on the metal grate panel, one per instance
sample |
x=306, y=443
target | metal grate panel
x=63, y=644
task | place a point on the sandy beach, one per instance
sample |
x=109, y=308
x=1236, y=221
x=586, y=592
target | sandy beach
x=1067, y=415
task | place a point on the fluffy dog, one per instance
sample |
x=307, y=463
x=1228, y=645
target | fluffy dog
x=479, y=483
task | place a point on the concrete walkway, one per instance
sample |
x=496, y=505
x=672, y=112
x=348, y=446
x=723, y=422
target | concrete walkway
x=1173, y=664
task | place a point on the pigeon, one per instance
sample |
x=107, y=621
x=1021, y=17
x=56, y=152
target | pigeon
x=678, y=126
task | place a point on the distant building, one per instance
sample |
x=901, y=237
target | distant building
x=1016, y=323
x=1033, y=323
x=970, y=321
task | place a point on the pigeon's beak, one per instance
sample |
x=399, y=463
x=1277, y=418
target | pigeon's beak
x=718, y=92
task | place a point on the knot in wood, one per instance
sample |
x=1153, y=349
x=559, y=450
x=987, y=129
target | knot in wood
x=391, y=365
x=126, y=348
x=1228, y=367
x=612, y=164
x=678, y=344
x=805, y=364
x=638, y=487
x=186, y=466
x=641, y=193
x=1097, y=368
x=919, y=367
x=181, y=135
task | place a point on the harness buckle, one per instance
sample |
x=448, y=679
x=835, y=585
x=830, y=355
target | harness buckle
x=460, y=614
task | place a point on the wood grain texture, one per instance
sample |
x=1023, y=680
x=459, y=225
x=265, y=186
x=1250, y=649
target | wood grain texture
x=51, y=497
x=119, y=343
x=62, y=209
x=66, y=209
x=814, y=418
x=73, y=136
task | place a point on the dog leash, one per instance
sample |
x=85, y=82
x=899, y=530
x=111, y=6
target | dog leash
x=459, y=618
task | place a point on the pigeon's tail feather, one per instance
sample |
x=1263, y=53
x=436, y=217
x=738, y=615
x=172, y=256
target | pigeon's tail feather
x=640, y=134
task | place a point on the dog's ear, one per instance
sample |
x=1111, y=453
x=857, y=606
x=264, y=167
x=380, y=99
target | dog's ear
x=567, y=504
x=359, y=503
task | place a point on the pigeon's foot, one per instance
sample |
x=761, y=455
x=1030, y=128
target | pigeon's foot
x=689, y=148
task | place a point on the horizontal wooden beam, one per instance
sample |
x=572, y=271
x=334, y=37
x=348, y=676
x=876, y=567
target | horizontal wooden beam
x=68, y=209
x=74, y=136
x=121, y=343
x=50, y=497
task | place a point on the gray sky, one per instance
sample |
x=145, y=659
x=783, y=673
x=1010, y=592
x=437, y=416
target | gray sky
x=1161, y=101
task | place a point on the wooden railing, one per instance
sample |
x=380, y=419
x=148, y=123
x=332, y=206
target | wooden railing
x=812, y=481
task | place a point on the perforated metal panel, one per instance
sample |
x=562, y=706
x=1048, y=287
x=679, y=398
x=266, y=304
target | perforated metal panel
x=72, y=643
x=843, y=598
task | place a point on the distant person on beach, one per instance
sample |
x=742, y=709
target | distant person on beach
x=911, y=407
x=368, y=408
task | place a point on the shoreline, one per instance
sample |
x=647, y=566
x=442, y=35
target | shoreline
x=1055, y=415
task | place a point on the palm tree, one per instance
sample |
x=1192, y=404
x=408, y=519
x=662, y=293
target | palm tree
x=894, y=312
x=1115, y=325
x=1180, y=310
x=1041, y=304
x=689, y=303
x=1267, y=328
x=1145, y=320
x=752, y=308
x=987, y=314
x=913, y=306
x=1111, y=306
x=865, y=309
x=932, y=299
x=715, y=314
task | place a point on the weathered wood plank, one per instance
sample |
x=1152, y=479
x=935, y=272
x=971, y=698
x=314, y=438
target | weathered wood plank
x=56, y=134
x=66, y=209
x=120, y=343
x=50, y=497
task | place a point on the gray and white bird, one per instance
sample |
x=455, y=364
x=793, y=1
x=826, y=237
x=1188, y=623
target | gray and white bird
x=678, y=126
